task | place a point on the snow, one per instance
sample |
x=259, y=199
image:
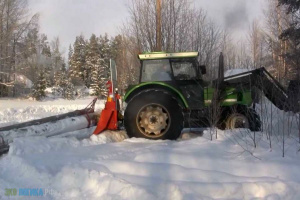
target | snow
x=80, y=91
x=48, y=129
x=232, y=72
x=20, y=110
x=23, y=80
x=79, y=165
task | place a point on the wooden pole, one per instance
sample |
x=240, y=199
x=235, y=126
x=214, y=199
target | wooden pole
x=158, y=25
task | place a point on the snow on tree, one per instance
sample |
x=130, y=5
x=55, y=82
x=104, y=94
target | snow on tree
x=70, y=54
x=58, y=78
x=89, y=61
x=63, y=86
x=68, y=89
x=57, y=61
x=40, y=86
x=105, y=54
x=45, y=58
x=93, y=62
x=46, y=51
x=77, y=61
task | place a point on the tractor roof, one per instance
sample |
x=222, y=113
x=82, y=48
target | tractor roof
x=164, y=55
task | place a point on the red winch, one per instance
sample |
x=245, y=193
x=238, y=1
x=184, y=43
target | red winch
x=109, y=116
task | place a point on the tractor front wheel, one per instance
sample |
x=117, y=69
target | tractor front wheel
x=153, y=114
x=237, y=120
x=242, y=117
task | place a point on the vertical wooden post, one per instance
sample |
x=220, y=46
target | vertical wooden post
x=158, y=25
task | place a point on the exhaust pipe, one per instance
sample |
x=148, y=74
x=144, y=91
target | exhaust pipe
x=221, y=69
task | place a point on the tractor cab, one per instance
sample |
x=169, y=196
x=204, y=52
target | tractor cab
x=170, y=67
x=179, y=70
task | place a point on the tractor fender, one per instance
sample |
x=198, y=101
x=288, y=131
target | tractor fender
x=156, y=85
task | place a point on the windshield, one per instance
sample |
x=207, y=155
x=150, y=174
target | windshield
x=184, y=70
x=156, y=70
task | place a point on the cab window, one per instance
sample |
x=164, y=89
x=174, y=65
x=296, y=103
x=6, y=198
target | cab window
x=184, y=70
x=156, y=70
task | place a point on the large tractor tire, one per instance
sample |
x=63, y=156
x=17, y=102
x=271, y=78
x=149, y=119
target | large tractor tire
x=154, y=114
x=237, y=120
x=243, y=117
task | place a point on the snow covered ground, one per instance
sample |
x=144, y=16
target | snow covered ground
x=112, y=166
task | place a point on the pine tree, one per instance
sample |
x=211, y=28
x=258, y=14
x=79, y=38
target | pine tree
x=48, y=76
x=40, y=86
x=104, y=71
x=57, y=60
x=46, y=51
x=63, y=85
x=77, y=61
x=70, y=55
x=92, y=61
x=116, y=47
x=68, y=89
x=58, y=79
x=93, y=64
x=44, y=58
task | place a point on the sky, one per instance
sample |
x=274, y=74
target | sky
x=70, y=18
x=234, y=15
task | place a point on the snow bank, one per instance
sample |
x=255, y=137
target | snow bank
x=42, y=144
x=108, y=137
x=102, y=168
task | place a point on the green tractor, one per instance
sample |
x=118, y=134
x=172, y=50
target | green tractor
x=172, y=95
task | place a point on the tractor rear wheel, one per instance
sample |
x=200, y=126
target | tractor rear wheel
x=153, y=114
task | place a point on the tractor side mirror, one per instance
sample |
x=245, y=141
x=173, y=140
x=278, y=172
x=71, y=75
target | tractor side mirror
x=203, y=69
